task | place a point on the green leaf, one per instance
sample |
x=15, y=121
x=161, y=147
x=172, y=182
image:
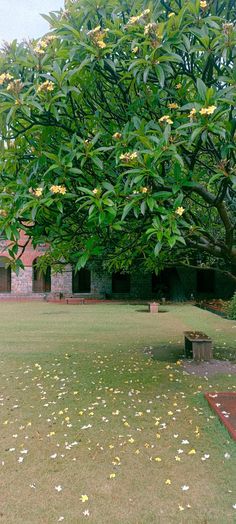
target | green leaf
x=201, y=88
x=126, y=210
x=157, y=249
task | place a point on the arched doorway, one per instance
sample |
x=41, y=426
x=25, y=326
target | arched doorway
x=168, y=284
x=81, y=281
x=120, y=283
x=41, y=281
x=5, y=276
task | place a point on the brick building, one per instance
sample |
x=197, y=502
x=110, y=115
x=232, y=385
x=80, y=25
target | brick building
x=174, y=283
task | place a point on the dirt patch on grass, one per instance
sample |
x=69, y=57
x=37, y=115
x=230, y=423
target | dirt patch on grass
x=208, y=369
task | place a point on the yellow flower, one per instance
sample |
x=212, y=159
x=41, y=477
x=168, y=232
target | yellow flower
x=117, y=136
x=168, y=482
x=173, y=105
x=150, y=28
x=192, y=112
x=135, y=49
x=178, y=86
x=112, y=475
x=43, y=44
x=5, y=77
x=129, y=157
x=96, y=191
x=50, y=38
x=166, y=118
x=39, y=51
x=192, y=452
x=101, y=44
x=38, y=191
x=97, y=36
x=207, y=110
x=171, y=14
x=46, y=86
x=228, y=27
x=136, y=19
x=203, y=4
x=144, y=190
x=179, y=211
x=84, y=498
x=15, y=86
x=58, y=189
x=94, y=31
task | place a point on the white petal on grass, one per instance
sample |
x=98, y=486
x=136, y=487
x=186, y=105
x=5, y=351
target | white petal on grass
x=58, y=488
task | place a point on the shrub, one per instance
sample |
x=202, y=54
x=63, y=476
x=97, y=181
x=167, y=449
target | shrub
x=232, y=308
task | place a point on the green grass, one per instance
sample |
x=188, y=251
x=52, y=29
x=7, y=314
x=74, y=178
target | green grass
x=77, y=382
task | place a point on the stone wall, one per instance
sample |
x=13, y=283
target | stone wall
x=21, y=284
x=140, y=285
x=62, y=282
x=101, y=283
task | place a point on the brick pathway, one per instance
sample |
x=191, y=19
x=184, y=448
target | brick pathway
x=224, y=404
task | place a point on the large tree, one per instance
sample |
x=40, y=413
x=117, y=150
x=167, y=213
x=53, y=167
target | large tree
x=118, y=134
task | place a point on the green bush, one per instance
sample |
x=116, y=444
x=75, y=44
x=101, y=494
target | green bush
x=232, y=308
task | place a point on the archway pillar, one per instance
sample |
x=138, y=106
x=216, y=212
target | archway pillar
x=62, y=282
x=21, y=284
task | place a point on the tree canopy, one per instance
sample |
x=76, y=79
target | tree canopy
x=118, y=134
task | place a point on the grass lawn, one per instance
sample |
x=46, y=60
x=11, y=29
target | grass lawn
x=94, y=429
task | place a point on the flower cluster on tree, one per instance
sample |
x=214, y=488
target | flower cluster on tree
x=118, y=134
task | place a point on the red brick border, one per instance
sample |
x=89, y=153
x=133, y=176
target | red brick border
x=225, y=411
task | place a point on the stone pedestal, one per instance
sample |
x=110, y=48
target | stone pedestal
x=153, y=307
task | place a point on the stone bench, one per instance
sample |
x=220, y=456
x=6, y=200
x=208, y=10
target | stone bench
x=198, y=345
x=75, y=301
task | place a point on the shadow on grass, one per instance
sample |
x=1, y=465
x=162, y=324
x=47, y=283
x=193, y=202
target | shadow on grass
x=166, y=353
x=147, y=311
x=172, y=353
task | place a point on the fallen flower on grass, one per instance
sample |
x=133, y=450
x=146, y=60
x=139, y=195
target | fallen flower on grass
x=58, y=488
x=86, y=513
x=84, y=498
x=185, y=488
